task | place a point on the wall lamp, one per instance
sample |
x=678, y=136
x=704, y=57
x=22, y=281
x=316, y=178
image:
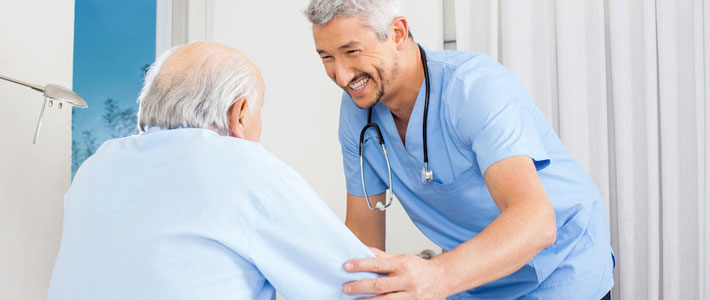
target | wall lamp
x=52, y=93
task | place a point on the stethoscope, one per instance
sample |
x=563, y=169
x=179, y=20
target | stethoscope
x=427, y=175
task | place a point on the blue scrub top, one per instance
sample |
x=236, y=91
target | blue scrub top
x=479, y=113
x=189, y=214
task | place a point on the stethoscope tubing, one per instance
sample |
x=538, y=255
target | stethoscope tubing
x=427, y=175
x=426, y=103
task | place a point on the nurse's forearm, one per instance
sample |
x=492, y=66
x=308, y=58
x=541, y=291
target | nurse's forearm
x=508, y=243
x=368, y=225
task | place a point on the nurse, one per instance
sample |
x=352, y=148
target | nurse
x=519, y=218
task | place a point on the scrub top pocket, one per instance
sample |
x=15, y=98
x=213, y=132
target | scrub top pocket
x=568, y=237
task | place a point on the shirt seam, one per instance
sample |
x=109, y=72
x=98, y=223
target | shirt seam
x=250, y=241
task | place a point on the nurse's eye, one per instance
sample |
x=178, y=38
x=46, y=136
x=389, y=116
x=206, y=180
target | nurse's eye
x=326, y=57
x=352, y=52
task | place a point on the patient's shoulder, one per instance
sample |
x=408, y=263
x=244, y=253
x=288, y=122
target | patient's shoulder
x=245, y=156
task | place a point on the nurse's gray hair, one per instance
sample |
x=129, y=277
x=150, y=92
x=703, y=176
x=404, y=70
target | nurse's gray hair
x=198, y=97
x=376, y=14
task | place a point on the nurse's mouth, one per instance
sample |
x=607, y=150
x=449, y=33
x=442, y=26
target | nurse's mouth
x=359, y=83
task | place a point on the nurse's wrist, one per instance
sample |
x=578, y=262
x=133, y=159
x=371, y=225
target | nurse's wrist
x=448, y=281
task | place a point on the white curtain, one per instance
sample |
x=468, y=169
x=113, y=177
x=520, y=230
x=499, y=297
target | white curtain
x=626, y=84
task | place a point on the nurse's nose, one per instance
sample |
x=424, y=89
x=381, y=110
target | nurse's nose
x=343, y=74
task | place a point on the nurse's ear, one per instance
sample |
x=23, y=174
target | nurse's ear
x=400, y=32
x=238, y=117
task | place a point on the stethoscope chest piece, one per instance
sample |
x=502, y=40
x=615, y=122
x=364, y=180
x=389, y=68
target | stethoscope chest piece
x=427, y=175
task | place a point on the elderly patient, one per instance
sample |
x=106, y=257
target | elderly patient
x=194, y=207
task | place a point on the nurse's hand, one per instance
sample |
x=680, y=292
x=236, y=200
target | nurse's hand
x=410, y=277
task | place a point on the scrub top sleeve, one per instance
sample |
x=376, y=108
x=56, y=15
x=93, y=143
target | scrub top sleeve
x=300, y=246
x=493, y=115
x=352, y=120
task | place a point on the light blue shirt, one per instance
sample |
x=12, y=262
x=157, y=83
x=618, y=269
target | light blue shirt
x=189, y=214
x=479, y=114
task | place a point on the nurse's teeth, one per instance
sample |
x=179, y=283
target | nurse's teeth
x=359, y=84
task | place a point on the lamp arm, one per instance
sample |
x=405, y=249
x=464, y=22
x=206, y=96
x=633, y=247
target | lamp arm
x=29, y=85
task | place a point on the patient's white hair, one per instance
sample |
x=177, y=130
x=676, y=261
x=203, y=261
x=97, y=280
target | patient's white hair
x=199, y=96
x=376, y=14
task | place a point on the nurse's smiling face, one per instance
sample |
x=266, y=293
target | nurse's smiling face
x=357, y=60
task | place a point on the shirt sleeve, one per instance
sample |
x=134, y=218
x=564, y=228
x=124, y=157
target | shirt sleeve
x=491, y=113
x=300, y=246
x=352, y=120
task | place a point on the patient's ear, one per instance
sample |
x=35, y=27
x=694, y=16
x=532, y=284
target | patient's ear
x=238, y=116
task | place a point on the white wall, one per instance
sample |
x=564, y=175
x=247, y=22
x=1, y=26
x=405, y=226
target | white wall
x=300, y=116
x=36, y=42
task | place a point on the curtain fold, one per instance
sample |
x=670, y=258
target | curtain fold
x=705, y=236
x=681, y=93
x=636, y=197
x=625, y=83
x=478, y=26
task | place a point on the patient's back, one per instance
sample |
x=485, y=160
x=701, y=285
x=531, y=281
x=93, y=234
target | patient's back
x=189, y=214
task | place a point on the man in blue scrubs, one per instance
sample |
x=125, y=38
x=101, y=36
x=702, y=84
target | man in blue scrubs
x=194, y=207
x=517, y=216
